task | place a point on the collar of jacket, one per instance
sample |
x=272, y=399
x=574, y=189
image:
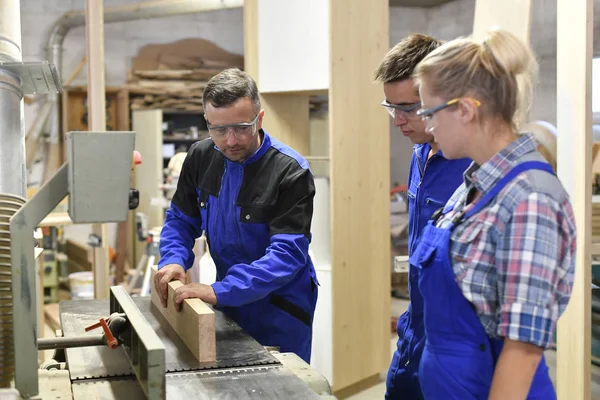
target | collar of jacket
x=423, y=149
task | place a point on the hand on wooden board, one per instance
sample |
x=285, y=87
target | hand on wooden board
x=166, y=274
x=194, y=291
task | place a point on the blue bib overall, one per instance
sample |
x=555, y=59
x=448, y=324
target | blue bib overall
x=459, y=358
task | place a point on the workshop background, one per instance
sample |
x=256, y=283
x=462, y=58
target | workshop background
x=174, y=124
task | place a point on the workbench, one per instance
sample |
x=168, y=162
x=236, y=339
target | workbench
x=243, y=368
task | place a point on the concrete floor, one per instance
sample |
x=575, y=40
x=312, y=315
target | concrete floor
x=399, y=306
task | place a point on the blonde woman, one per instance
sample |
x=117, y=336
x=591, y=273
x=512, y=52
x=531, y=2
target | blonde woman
x=496, y=265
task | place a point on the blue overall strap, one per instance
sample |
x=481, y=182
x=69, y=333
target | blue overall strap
x=512, y=174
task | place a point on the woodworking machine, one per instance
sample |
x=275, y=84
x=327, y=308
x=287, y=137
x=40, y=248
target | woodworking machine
x=123, y=347
x=153, y=362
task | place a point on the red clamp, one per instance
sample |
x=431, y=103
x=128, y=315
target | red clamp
x=111, y=341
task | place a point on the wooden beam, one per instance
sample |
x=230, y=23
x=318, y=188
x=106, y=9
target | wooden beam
x=251, y=38
x=287, y=118
x=75, y=72
x=94, y=33
x=360, y=184
x=195, y=324
x=123, y=228
x=575, y=19
x=511, y=15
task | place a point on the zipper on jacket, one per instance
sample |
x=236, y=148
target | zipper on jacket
x=237, y=222
x=220, y=194
x=423, y=169
x=417, y=203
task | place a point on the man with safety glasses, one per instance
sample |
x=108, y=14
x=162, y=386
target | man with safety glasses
x=253, y=198
x=432, y=180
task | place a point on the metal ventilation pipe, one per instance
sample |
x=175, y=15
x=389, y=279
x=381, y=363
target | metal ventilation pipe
x=145, y=10
x=13, y=179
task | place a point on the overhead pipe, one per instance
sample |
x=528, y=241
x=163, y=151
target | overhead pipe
x=145, y=10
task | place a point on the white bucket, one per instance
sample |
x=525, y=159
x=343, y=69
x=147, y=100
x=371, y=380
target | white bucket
x=82, y=285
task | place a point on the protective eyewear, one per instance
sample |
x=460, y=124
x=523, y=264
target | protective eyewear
x=427, y=113
x=239, y=129
x=405, y=110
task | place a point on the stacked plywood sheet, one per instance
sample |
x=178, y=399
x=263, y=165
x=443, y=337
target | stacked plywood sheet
x=173, y=76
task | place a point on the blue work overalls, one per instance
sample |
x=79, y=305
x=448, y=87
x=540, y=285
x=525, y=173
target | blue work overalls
x=459, y=358
x=431, y=183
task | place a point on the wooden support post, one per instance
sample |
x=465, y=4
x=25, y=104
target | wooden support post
x=195, y=324
x=287, y=119
x=511, y=15
x=360, y=184
x=94, y=33
x=575, y=20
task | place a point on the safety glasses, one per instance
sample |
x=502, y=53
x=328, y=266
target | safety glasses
x=405, y=110
x=427, y=113
x=239, y=129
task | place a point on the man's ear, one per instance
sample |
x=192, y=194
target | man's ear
x=261, y=115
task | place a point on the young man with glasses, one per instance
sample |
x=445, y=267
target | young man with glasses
x=432, y=180
x=253, y=198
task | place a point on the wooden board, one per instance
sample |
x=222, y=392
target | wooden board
x=360, y=184
x=512, y=15
x=575, y=24
x=80, y=255
x=195, y=324
x=52, y=316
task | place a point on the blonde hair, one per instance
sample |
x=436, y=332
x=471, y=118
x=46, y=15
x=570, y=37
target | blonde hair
x=499, y=71
x=545, y=134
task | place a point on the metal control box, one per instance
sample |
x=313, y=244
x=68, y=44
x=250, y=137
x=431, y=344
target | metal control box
x=99, y=173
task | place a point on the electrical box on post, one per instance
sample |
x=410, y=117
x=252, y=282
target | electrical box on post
x=99, y=170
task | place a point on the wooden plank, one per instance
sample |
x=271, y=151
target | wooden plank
x=75, y=72
x=195, y=324
x=52, y=316
x=359, y=192
x=575, y=19
x=251, y=38
x=94, y=34
x=122, y=251
x=122, y=245
x=123, y=122
x=79, y=253
x=149, y=174
x=201, y=74
x=56, y=219
x=512, y=15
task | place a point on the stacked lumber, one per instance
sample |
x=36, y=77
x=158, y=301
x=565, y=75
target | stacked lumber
x=173, y=76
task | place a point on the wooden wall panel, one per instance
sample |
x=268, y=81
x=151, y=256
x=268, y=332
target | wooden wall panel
x=575, y=20
x=360, y=176
x=287, y=119
x=286, y=115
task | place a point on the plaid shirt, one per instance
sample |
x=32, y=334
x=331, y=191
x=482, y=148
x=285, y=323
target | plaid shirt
x=515, y=259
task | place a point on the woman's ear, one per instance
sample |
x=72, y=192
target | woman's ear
x=467, y=111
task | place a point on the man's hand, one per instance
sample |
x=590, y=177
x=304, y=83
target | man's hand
x=194, y=291
x=166, y=274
